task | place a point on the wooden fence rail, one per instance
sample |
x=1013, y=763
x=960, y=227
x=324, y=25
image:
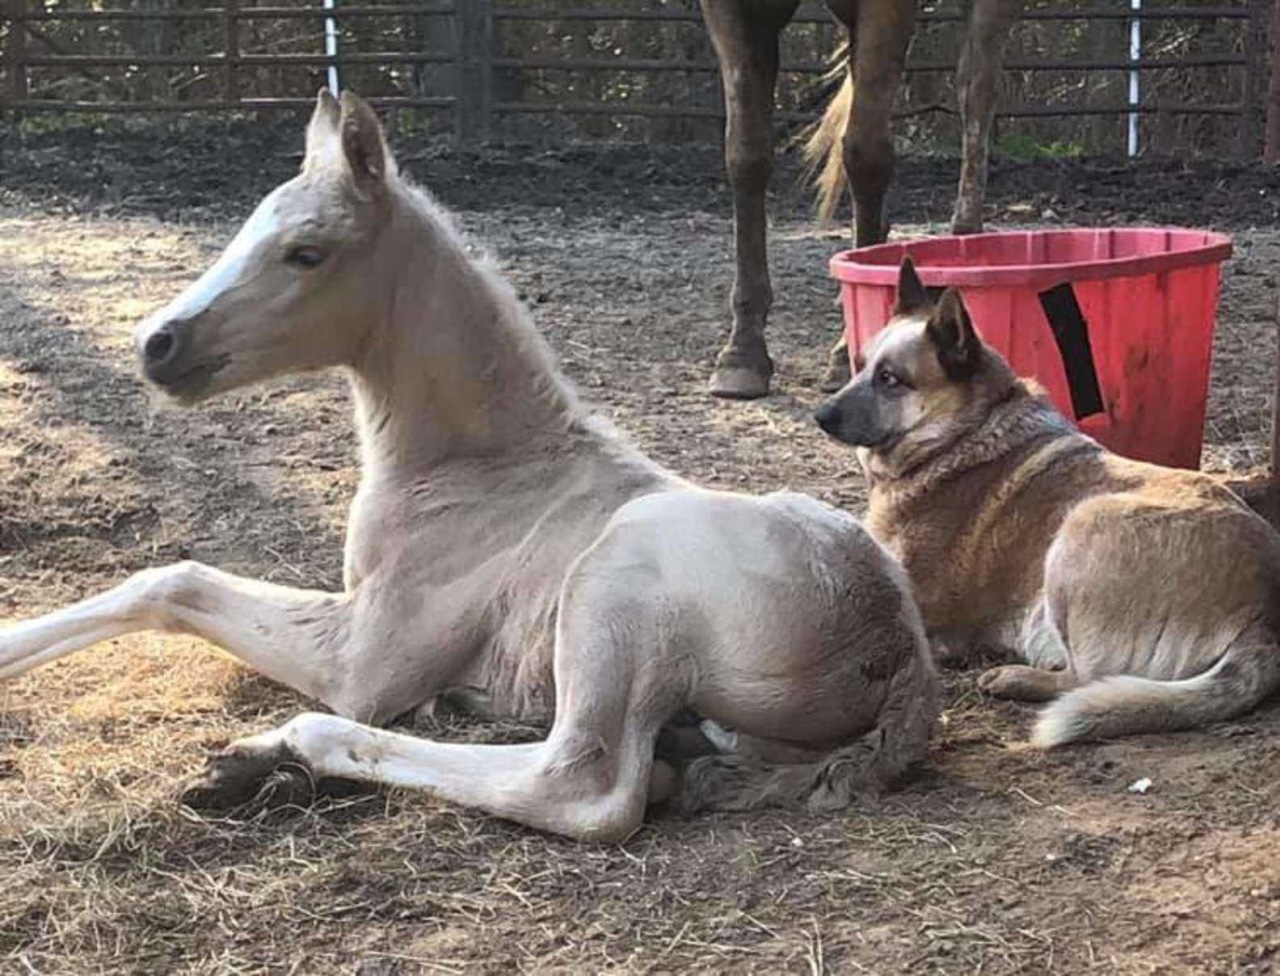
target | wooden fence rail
x=472, y=61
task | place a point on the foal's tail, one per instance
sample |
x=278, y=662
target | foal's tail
x=1127, y=705
x=824, y=147
x=877, y=760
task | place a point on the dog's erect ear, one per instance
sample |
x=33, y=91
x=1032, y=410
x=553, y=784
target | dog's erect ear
x=952, y=333
x=912, y=294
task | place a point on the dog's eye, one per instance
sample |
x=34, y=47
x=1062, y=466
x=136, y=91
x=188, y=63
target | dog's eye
x=887, y=378
x=304, y=256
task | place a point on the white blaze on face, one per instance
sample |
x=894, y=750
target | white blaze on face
x=231, y=268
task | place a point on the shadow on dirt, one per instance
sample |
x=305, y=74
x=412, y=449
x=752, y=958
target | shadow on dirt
x=75, y=482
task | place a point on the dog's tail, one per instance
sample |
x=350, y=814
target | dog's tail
x=1127, y=705
x=824, y=147
x=877, y=760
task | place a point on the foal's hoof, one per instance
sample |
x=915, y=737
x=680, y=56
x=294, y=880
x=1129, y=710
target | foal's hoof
x=738, y=383
x=719, y=783
x=838, y=373
x=240, y=778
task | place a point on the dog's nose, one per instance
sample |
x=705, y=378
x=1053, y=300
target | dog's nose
x=828, y=417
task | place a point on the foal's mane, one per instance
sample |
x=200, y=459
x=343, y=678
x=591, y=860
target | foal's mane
x=548, y=382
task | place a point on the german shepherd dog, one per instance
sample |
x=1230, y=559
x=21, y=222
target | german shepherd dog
x=1143, y=598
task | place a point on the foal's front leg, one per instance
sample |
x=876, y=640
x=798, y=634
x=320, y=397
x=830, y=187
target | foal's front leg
x=294, y=636
x=620, y=673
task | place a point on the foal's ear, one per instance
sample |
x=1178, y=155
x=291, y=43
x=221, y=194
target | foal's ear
x=912, y=294
x=322, y=130
x=368, y=160
x=953, y=335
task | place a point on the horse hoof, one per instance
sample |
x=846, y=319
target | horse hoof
x=716, y=782
x=738, y=383
x=241, y=778
x=838, y=374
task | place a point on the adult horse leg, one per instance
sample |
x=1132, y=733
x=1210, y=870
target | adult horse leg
x=879, y=33
x=976, y=76
x=745, y=36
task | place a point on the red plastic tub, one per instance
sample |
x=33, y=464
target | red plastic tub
x=1116, y=324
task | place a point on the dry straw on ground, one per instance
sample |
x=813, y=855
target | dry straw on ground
x=998, y=860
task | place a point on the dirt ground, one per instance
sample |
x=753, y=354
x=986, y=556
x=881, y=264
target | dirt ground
x=997, y=860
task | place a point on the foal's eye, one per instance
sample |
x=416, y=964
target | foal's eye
x=302, y=256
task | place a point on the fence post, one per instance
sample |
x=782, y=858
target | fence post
x=475, y=70
x=230, y=48
x=15, y=54
x=1249, y=137
x=1275, y=410
x=1271, y=145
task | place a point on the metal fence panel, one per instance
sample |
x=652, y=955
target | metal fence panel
x=470, y=75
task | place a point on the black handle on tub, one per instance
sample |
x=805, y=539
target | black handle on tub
x=1071, y=333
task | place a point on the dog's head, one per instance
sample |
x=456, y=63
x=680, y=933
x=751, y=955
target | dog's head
x=925, y=379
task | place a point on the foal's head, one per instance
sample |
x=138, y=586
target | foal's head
x=298, y=286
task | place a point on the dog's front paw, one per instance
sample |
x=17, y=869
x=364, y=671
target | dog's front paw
x=1004, y=682
x=1023, y=683
x=246, y=776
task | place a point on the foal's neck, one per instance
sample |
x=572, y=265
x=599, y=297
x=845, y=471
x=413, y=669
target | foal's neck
x=454, y=368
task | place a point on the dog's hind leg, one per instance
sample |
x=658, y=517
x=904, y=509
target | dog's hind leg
x=1130, y=705
x=1166, y=614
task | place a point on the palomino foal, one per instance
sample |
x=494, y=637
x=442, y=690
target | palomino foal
x=504, y=543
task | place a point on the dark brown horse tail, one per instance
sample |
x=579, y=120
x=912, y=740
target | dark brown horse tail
x=824, y=146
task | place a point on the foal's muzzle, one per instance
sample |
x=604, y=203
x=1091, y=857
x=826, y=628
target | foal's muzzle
x=162, y=352
x=168, y=358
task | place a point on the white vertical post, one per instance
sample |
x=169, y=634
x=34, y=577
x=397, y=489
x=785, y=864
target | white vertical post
x=1135, y=91
x=331, y=47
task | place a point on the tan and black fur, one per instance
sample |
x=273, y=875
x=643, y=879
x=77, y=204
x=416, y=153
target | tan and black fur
x=1143, y=598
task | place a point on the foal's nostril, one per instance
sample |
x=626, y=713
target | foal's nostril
x=159, y=346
